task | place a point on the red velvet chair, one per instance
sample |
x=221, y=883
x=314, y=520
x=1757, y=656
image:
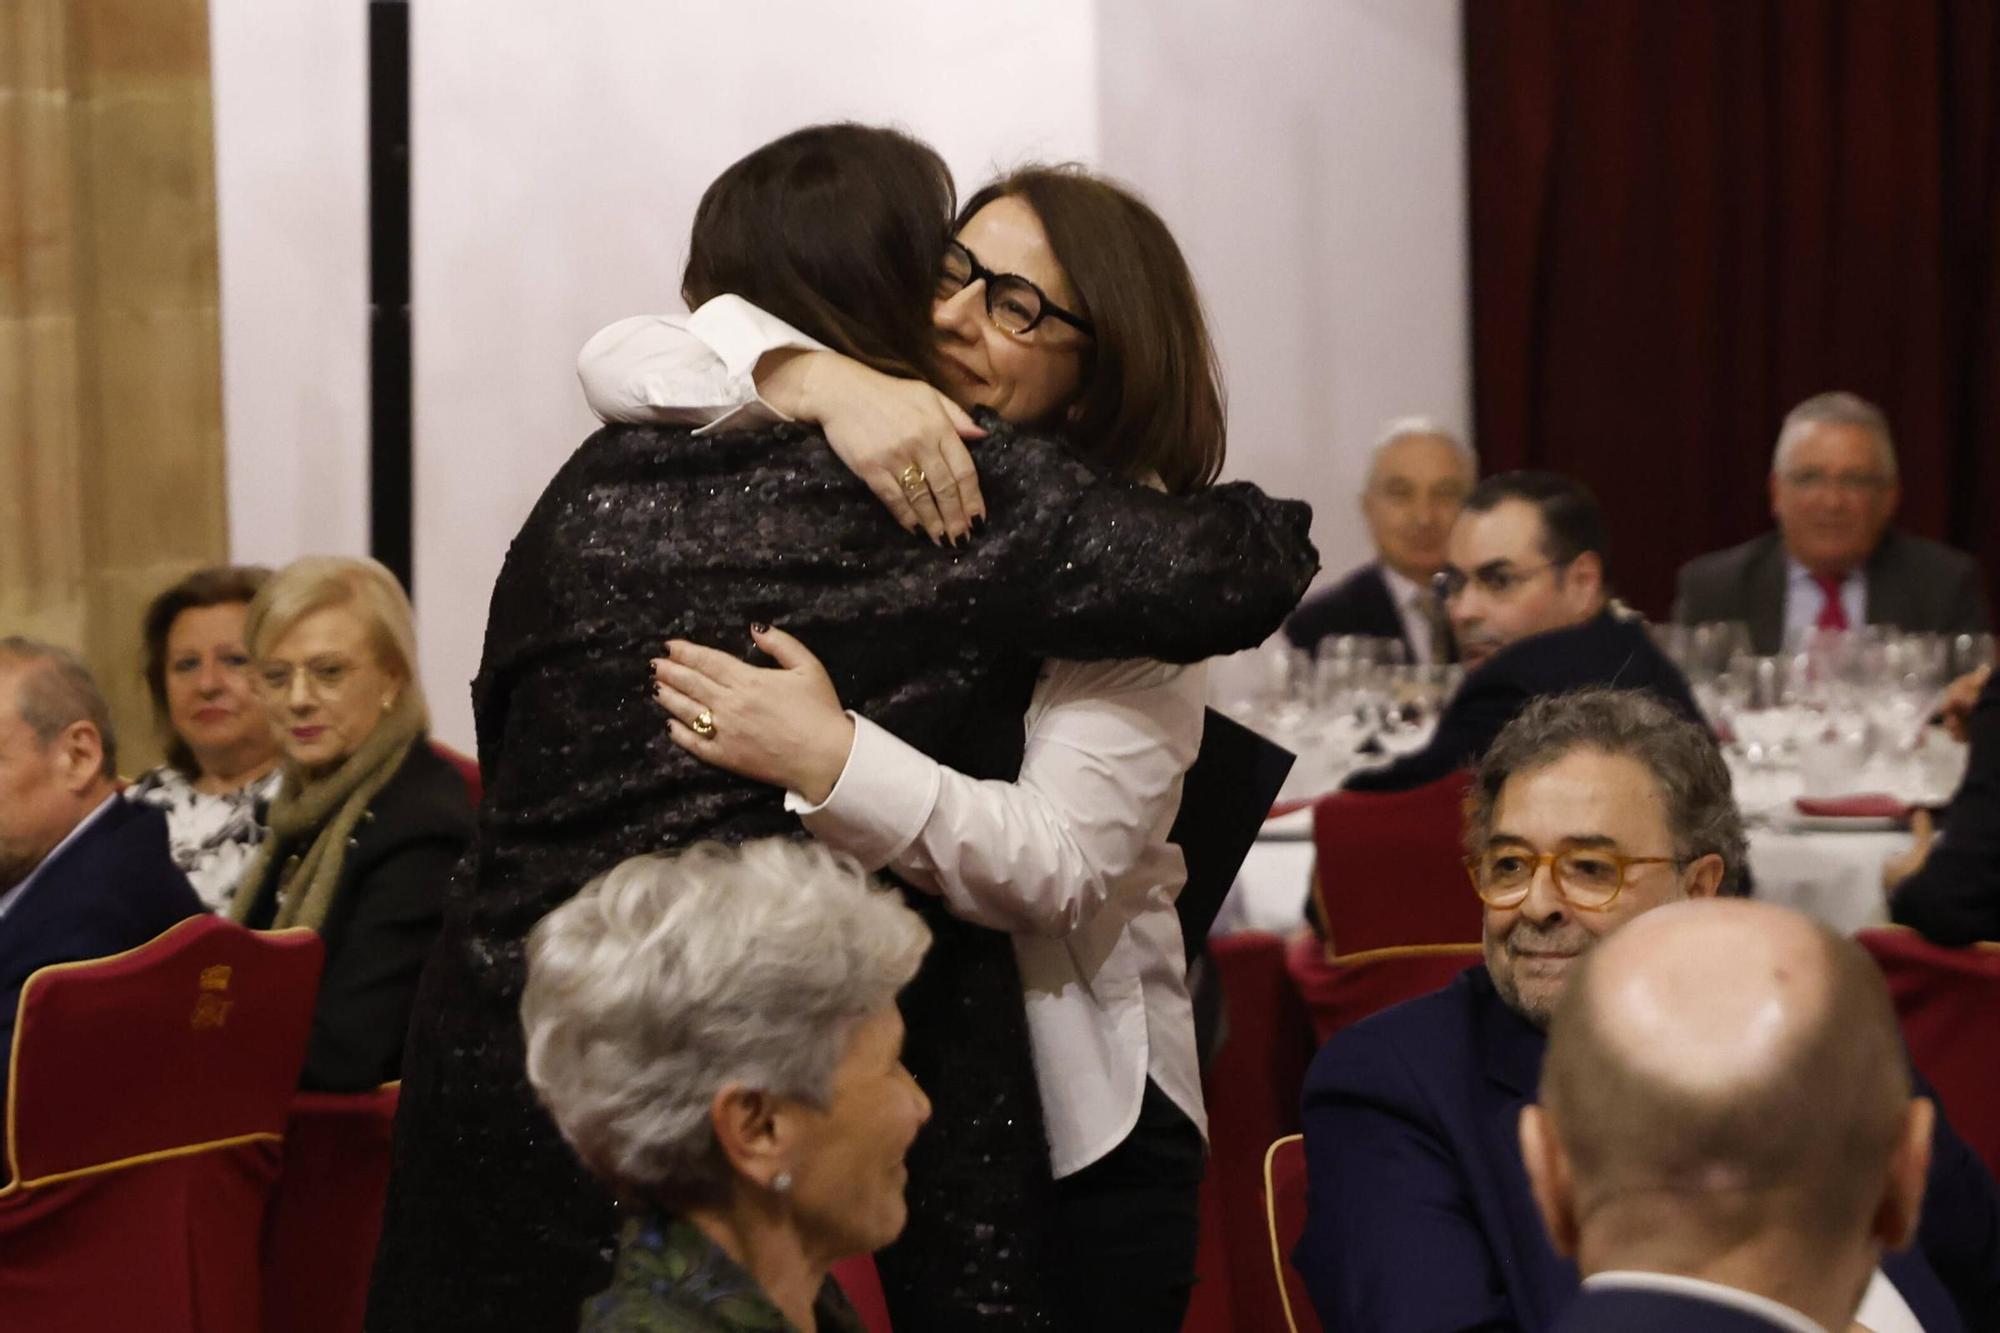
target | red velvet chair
x=320, y=1233
x=1391, y=868
x=863, y=1287
x=146, y=1105
x=1340, y=991
x=1946, y=1000
x=1285, y=1222
x=1252, y=1090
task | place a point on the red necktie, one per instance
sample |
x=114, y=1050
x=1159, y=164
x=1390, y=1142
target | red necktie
x=1832, y=612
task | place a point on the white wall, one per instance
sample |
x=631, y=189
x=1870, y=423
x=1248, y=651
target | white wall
x=1308, y=153
x=291, y=177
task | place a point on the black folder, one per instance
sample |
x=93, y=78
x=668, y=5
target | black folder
x=1225, y=799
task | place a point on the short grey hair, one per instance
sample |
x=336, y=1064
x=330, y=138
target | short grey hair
x=1702, y=816
x=1838, y=408
x=57, y=691
x=669, y=978
x=1402, y=428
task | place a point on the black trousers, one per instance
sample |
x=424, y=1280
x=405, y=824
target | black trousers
x=1127, y=1226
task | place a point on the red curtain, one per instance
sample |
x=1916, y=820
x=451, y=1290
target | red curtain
x=1688, y=216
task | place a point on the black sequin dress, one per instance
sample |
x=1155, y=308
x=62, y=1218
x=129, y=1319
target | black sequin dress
x=648, y=534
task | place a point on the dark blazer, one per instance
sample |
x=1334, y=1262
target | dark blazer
x=111, y=890
x=1359, y=604
x=1418, y=1211
x=1955, y=898
x=385, y=915
x=1913, y=583
x=1622, y=1310
x=1604, y=650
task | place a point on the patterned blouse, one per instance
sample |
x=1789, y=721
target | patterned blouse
x=670, y=1278
x=211, y=837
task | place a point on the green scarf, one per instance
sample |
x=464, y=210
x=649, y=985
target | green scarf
x=325, y=811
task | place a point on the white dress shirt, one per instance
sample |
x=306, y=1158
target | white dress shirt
x=1883, y=1308
x=1804, y=599
x=1411, y=599
x=1071, y=859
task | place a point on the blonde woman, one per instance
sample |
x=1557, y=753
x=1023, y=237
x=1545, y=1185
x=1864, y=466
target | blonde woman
x=369, y=819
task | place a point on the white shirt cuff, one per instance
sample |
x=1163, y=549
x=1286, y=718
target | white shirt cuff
x=880, y=803
x=740, y=334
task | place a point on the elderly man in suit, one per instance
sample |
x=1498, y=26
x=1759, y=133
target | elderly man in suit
x=1725, y=1139
x=1587, y=812
x=1418, y=476
x=83, y=873
x=1834, y=562
x=1525, y=584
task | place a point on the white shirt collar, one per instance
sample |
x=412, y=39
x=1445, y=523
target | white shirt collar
x=1782, y=1316
x=13, y=895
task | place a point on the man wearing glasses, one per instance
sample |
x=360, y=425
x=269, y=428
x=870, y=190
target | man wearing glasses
x=1834, y=562
x=1588, y=811
x=1525, y=586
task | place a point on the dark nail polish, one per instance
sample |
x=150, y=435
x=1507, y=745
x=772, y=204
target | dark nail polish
x=979, y=522
x=759, y=627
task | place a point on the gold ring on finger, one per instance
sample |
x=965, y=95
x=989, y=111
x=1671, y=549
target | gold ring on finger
x=703, y=725
x=912, y=477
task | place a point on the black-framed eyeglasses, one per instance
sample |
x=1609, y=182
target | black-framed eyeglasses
x=1496, y=580
x=1014, y=304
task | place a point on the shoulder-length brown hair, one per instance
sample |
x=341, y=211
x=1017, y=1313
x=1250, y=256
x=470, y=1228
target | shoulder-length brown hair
x=220, y=585
x=1152, y=398
x=838, y=230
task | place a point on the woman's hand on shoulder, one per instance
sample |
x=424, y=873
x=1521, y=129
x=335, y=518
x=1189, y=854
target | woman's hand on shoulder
x=783, y=725
x=902, y=437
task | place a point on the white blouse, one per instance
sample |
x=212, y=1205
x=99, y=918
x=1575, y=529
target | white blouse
x=1071, y=859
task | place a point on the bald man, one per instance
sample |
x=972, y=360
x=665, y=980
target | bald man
x=1418, y=476
x=1726, y=1140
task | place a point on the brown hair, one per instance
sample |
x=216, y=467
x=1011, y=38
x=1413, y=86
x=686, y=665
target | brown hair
x=1152, y=398
x=56, y=692
x=220, y=585
x=839, y=231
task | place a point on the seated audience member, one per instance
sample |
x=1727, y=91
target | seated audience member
x=716, y=1035
x=1725, y=1139
x=1589, y=810
x=369, y=821
x=1525, y=584
x=1417, y=479
x=222, y=757
x=1948, y=889
x=1834, y=561
x=82, y=873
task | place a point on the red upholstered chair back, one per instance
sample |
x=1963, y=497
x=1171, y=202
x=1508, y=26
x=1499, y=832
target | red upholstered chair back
x=1391, y=868
x=863, y=1286
x=467, y=766
x=1285, y=1222
x=324, y=1221
x=1946, y=1000
x=145, y=1104
x=1341, y=991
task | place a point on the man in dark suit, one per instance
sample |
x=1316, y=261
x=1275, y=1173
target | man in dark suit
x=1418, y=476
x=1588, y=811
x=1949, y=888
x=1834, y=562
x=1525, y=586
x=1725, y=1137
x=83, y=873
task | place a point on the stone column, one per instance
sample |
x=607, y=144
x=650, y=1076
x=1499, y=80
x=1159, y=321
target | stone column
x=111, y=454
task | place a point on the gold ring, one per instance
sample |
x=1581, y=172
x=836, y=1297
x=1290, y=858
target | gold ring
x=703, y=725
x=911, y=477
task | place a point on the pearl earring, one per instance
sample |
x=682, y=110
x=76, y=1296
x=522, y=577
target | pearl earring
x=782, y=1182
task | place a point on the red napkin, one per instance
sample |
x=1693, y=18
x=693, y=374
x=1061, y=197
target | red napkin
x=1861, y=805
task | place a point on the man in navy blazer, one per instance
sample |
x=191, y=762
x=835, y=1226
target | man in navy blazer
x=1418, y=477
x=1525, y=587
x=1725, y=1136
x=83, y=873
x=1587, y=811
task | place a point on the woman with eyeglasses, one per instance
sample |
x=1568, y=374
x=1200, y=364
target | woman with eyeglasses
x=1063, y=302
x=368, y=820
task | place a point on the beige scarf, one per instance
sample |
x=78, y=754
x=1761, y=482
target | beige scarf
x=325, y=810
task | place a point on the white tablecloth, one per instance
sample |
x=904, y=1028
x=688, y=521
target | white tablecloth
x=1834, y=875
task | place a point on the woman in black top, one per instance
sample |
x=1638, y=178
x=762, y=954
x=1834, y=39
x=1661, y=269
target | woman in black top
x=649, y=534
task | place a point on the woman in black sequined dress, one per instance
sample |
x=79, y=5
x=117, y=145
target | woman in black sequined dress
x=648, y=534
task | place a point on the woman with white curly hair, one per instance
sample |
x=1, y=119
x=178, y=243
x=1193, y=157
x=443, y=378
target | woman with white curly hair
x=716, y=1035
